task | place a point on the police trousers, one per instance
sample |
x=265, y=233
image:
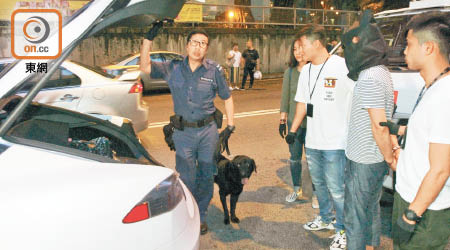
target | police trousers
x=195, y=162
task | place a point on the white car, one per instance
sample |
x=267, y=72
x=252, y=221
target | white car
x=89, y=90
x=407, y=83
x=73, y=181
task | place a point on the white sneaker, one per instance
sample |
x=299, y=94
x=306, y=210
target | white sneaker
x=339, y=241
x=236, y=88
x=294, y=196
x=314, y=202
x=318, y=224
x=231, y=88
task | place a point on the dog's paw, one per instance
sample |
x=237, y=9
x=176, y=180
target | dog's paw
x=235, y=219
x=226, y=221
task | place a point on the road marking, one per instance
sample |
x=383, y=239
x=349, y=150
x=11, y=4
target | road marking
x=237, y=115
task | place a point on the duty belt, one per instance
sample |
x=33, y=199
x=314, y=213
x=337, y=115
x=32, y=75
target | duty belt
x=199, y=123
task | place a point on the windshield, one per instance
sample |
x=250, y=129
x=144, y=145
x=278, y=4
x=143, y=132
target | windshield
x=97, y=70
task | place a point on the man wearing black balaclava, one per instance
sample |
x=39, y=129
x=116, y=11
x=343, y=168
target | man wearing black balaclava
x=369, y=149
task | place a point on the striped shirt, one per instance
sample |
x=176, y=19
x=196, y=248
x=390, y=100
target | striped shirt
x=373, y=89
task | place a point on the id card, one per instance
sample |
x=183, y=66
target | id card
x=309, y=109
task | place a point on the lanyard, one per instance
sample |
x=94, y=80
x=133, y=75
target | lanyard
x=315, y=83
x=424, y=90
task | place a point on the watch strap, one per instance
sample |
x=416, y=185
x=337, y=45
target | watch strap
x=411, y=215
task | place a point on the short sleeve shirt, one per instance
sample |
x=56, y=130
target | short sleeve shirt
x=331, y=97
x=193, y=93
x=250, y=56
x=374, y=89
x=429, y=123
x=236, y=60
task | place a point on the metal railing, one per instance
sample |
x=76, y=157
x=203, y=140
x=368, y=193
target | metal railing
x=259, y=16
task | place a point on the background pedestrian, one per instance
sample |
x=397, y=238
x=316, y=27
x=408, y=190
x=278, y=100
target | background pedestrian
x=251, y=59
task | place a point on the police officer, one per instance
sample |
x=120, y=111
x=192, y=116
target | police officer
x=194, y=83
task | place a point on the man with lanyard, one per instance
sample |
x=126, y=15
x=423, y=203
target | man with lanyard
x=251, y=58
x=421, y=213
x=324, y=95
x=194, y=83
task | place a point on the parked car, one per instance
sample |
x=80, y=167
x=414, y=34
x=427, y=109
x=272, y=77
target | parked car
x=131, y=62
x=407, y=83
x=69, y=180
x=86, y=89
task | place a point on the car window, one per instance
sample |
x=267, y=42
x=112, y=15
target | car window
x=61, y=78
x=156, y=57
x=170, y=56
x=135, y=61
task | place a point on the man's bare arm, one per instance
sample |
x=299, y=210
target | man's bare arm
x=435, y=178
x=381, y=135
x=145, y=61
x=229, y=110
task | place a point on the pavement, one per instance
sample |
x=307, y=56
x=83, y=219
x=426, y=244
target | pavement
x=267, y=220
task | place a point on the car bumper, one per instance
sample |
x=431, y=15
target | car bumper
x=189, y=238
x=140, y=116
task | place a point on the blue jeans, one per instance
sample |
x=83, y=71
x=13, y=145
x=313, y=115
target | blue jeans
x=195, y=162
x=327, y=169
x=296, y=150
x=363, y=185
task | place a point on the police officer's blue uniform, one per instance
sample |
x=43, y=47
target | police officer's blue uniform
x=193, y=96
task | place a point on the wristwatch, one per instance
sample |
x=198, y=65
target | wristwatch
x=411, y=215
x=231, y=128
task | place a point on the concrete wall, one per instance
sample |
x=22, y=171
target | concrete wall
x=272, y=45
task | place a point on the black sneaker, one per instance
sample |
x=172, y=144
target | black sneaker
x=203, y=228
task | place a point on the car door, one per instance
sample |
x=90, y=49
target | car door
x=62, y=90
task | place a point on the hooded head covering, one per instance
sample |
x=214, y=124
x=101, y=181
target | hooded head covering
x=371, y=49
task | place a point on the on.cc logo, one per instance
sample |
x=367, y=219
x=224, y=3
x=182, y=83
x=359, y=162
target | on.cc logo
x=36, y=29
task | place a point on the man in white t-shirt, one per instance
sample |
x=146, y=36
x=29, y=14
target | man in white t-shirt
x=421, y=214
x=234, y=61
x=324, y=95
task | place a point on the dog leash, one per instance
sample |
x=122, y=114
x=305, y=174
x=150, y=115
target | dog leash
x=222, y=146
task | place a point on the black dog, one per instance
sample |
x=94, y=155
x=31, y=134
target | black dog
x=231, y=178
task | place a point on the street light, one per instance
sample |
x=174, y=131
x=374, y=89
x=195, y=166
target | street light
x=231, y=14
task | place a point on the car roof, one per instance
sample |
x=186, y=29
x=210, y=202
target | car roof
x=417, y=7
x=158, y=52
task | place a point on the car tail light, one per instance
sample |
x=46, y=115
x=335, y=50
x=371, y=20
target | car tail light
x=136, y=88
x=162, y=199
